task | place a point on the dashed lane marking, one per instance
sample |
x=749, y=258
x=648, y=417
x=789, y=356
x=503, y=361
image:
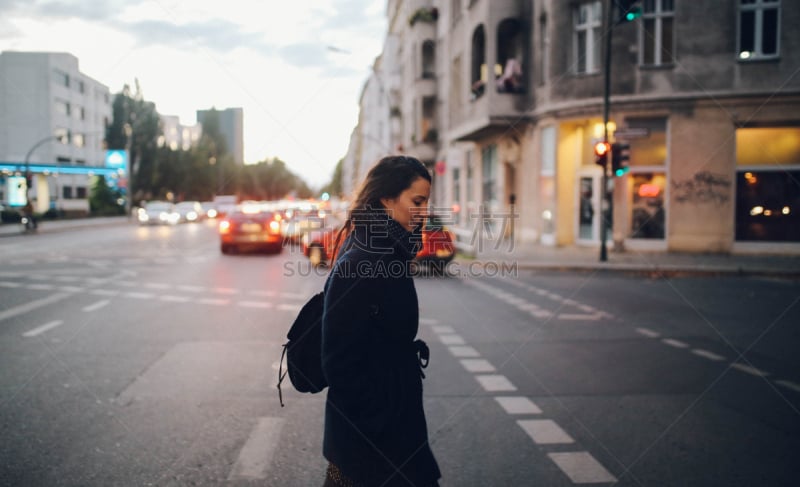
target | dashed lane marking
x=104, y=292
x=428, y=321
x=463, y=351
x=10, y=284
x=495, y=383
x=477, y=365
x=709, y=355
x=289, y=307
x=648, y=333
x=443, y=329
x=788, y=385
x=674, y=343
x=256, y=454
x=41, y=329
x=41, y=287
x=213, y=301
x=29, y=306
x=582, y=468
x=451, y=339
x=545, y=431
x=174, y=299
x=749, y=370
x=96, y=306
x=518, y=405
x=577, y=317
x=254, y=304
x=139, y=295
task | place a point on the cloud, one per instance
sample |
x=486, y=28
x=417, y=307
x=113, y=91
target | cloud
x=218, y=35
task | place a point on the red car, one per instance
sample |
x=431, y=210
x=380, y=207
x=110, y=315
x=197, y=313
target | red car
x=438, y=245
x=250, y=230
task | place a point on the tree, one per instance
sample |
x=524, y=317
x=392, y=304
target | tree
x=334, y=187
x=103, y=199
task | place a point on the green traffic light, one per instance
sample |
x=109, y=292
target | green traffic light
x=633, y=14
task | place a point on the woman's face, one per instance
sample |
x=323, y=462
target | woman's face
x=410, y=208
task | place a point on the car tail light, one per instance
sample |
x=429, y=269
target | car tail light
x=274, y=226
x=224, y=226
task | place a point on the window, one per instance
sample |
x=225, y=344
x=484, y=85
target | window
x=478, y=70
x=489, y=164
x=428, y=60
x=78, y=140
x=767, y=193
x=657, y=32
x=587, y=37
x=647, y=182
x=62, y=134
x=457, y=195
x=80, y=192
x=61, y=78
x=66, y=192
x=81, y=87
x=544, y=50
x=759, y=23
x=62, y=107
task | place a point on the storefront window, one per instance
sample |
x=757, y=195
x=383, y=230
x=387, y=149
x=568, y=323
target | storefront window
x=648, y=205
x=768, y=184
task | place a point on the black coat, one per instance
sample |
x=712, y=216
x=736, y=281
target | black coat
x=375, y=429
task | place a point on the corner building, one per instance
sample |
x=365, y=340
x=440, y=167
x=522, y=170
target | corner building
x=706, y=94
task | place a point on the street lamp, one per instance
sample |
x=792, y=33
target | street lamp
x=28, y=157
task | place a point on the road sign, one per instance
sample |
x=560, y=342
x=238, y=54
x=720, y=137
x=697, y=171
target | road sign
x=631, y=133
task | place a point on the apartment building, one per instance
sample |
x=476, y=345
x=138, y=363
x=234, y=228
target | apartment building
x=178, y=136
x=52, y=117
x=505, y=98
x=231, y=126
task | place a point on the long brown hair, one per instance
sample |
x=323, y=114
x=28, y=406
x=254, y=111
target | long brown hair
x=387, y=179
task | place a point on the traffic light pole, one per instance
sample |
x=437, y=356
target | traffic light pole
x=607, y=212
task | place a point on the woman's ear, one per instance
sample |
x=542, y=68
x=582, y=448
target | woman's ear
x=386, y=202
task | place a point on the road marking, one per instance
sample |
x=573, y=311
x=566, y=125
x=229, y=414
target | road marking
x=540, y=313
x=157, y=285
x=495, y=383
x=214, y=301
x=104, y=292
x=9, y=284
x=67, y=278
x=96, y=306
x=293, y=295
x=254, y=304
x=749, y=370
x=191, y=289
x=518, y=405
x=428, y=321
x=464, y=351
x=709, y=355
x=256, y=454
x=582, y=468
x=72, y=289
x=30, y=306
x=648, y=332
x=477, y=365
x=577, y=317
x=451, y=339
x=788, y=384
x=674, y=343
x=43, y=328
x=225, y=290
x=545, y=431
x=174, y=299
x=443, y=329
x=41, y=287
x=289, y=307
x=266, y=294
x=140, y=295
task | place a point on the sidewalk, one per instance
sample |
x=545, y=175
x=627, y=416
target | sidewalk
x=51, y=226
x=656, y=263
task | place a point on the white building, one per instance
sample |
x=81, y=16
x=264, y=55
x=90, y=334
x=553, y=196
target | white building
x=51, y=113
x=231, y=126
x=177, y=136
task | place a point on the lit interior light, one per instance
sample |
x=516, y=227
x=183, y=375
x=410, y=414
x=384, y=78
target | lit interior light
x=785, y=210
x=767, y=212
x=547, y=215
x=745, y=55
x=756, y=210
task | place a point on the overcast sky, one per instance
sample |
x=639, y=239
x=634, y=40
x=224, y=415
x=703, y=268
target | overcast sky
x=296, y=69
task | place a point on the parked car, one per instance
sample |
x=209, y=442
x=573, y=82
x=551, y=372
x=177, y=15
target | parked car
x=157, y=213
x=189, y=211
x=318, y=243
x=259, y=230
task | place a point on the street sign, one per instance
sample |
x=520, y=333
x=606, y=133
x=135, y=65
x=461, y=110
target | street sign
x=631, y=133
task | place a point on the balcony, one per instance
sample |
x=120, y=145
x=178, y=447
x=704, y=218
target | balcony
x=490, y=114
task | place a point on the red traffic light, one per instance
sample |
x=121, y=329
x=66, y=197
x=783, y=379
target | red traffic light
x=601, y=150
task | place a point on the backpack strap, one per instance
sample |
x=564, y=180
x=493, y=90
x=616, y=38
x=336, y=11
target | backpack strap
x=282, y=373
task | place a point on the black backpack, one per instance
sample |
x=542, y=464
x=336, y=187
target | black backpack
x=303, y=351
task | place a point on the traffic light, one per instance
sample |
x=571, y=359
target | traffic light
x=601, y=150
x=620, y=156
x=628, y=10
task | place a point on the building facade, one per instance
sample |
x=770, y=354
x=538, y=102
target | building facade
x=706, y=94
x=51, y=113
x=177, y=136
x=231, y=126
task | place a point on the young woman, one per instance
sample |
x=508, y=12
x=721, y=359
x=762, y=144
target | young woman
x=375, y=429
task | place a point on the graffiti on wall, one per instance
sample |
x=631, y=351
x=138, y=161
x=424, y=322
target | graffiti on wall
x=704, y=187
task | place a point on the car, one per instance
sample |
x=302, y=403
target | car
x=157, y=213
x=438, y=244
x=250, y=229
x=189, y=211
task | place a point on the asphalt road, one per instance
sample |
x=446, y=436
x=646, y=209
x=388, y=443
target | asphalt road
x=142, y=356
